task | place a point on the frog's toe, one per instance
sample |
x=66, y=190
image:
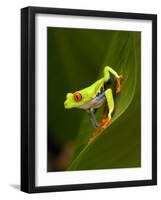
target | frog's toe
x=121, y=77
x=118, y=90
x=118, y=85
x=105, y=122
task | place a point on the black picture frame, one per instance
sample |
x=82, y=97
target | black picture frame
x=28, y=98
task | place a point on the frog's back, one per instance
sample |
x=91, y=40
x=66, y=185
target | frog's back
x=92, y=90
x=95, y=87
x=97, y=84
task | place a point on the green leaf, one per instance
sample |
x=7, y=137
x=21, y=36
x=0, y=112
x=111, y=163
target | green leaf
x=119, y=145
x=76, y=59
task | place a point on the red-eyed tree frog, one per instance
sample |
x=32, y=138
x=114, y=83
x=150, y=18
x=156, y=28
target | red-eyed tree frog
x=100, y=93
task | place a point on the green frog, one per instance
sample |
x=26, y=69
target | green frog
x=91, y=98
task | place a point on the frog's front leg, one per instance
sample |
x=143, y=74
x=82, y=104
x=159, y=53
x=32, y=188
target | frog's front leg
x=93, y=117
x=107, y=71
x=110, y=102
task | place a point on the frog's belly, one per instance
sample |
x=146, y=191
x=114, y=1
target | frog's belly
x=94, y=103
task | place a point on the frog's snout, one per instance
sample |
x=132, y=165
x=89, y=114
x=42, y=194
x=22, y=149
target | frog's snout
x=67, y=101
x=66, y=104
x=69, y=95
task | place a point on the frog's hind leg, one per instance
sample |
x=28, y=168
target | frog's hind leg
x=110, y=102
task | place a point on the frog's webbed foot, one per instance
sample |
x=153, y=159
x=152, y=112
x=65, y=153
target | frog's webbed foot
x=118, y=84
x=105, y=122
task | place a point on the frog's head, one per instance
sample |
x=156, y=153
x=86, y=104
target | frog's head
x=74, y=100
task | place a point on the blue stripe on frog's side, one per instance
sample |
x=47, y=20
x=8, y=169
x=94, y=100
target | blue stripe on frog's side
x=100, y=96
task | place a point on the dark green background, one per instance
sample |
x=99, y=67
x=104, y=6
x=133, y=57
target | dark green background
x=76, y=59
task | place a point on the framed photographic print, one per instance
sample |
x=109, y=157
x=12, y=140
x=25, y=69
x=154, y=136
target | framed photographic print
x=88, y=99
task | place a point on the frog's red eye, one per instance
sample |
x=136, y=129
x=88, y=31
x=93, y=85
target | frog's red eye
x=77, y=96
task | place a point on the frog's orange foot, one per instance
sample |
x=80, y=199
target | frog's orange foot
x=105, y=122
x=118, y=89
x=118, y=85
